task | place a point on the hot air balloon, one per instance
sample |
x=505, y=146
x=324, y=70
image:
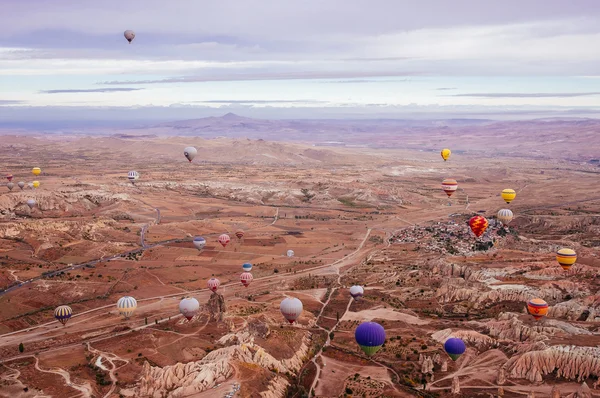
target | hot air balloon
x=538, y=308
x=224, y=240
x=21, y=184
x=449, y=185
x=455, y=347
x=126, y=306
x=10, y=186
x=478, y=225
x=189, y=307
x=247, y=267
x=213, y=284
x=246, y=278
x=199, y=242
x=36, y=171
x=290, y=253
x=133, y=176
x=508, y=195
x=505, y=216
x=36, y=184
x=445, y=154
x=370, y=336
x=357, y=292
x=63, y=313
x=31, y=203
x=239, y=234
x=30, y=185
x=566, y=258
x=291, y=308
x=190, y=153
x=129, y=35
x=9, y=177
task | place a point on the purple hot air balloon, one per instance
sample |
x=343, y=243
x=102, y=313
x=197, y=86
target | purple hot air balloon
x=370, y=336
x=455, y=347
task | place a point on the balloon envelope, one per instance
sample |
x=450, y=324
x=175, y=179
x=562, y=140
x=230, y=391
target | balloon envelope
x=478, y=225
x=9, y=177
x=190, y=153
x=247, y=267
x=246, y=278
x=31, y=203
x=291, y=308
x=133, y=175
x=239, y=234
x=455, y=347
x=566, y=258
x=189, y=307
x=224, y=240
x=199, y=242
x=357, y=291
x=538, y=308
x=449, y=185
x=21, y=184
x=508, y=195
x=36, y=184
x=10, y=186
x=505, y=216
x=370, y=336
x=445, y=154
x=129, y=35
x=63, y=313
x=290, y=253
x=126, y=306
x=36, y=171
x=213, y=284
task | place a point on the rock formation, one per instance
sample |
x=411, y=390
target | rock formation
x=472, y=337
x=216, y=307
x=555, y=392
x=444, y=366
x=501, y=377
x=508, y=326
x=455, y=385
x=583, y=391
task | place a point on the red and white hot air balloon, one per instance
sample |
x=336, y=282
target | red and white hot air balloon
x=189, y=307
x=213, y=284
x=449, y=185
x=239, y=234
x=246, y=278
x=291, y=308
x=224, y=239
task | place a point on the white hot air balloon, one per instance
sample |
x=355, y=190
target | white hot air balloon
x=213, y=284
x=189, y=307
x=190, y=153
x=31, y=203
x=21, y=184
x=291, y=308
x=10, y=186
x=126, y=306
x=290, y=253
x=505, y=216
x=357, y=292
x=133, y=176
x=199, y=242
x=30, y=185
x=129, y=35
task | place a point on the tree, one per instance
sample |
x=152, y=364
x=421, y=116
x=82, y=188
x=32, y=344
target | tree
x=145, y=321
x=21, y=347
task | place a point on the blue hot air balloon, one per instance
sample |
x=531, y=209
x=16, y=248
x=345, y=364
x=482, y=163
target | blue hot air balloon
x=455, y=347
x=370, y=336
x=247, y=267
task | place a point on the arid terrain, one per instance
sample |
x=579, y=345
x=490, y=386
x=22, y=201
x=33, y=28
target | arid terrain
x=363, y=213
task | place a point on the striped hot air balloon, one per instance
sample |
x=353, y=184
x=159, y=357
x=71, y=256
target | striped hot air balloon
x=239, y=234
x=246, y=278
x=538, y=308
x=126, y=306
x=213, y=284
x=63, y=313
x=247, y=267
x=370, y=336
x=566, y=258
x=455, y=347
x=505, y=216
x=224, y=240
x=508, y=195
x=478, y=225
x=449, y=185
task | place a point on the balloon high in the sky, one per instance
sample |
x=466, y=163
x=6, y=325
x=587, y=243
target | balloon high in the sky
x=445, y=153
x=290, y=253
x=213, y=284
x=9, y=177
x=21, y=184
x=538, y=308
x=36, y=184
x=508, y=195
x=129, y=35
x=189, y=307
x=370, y=336
x=10, y=186
x=478, y=225
x=455, y=347
x=199, y=242
x=133, y=176
x=63, y=313
x=190, y=153
x=247, y=267
x=566, y=258
x=224, y=240
x=239, y=234
x=36, y=171
x=291, y=308
x=246, y=278
x=357, y=292
x=126, y=306
x=505, y=216
x=449, y=185
x=31, y=203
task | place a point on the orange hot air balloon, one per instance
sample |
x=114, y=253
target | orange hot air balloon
x=538, y=308
x=239, y=234
x=449, y=185
x=478, y=225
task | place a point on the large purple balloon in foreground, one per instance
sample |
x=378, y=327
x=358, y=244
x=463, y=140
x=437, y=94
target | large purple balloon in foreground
x=370, y=336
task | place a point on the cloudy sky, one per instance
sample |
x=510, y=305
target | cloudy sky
x=305, y=59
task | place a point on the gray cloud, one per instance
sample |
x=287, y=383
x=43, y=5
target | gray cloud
x=91, y=90
x=276, y=101
x=527, y=95
x=445, y=88
x=11, y=102
x=367, y=81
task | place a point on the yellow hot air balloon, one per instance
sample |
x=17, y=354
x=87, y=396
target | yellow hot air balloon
x=508, y=195
x=36, y=184
x=445, y=153
x=566, y=258
x=36, y=171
